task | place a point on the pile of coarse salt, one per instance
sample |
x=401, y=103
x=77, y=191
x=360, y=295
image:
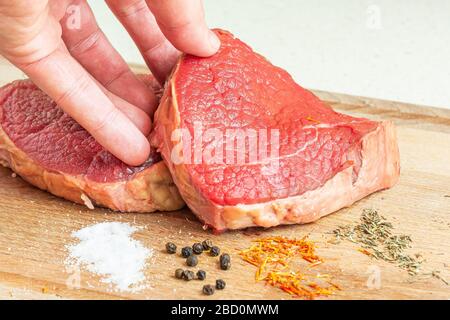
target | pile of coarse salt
x=108, y=250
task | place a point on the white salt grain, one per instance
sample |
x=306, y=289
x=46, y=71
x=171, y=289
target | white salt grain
x=108, y=250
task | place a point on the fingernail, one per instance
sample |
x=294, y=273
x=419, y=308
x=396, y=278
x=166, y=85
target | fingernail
x=214, y=40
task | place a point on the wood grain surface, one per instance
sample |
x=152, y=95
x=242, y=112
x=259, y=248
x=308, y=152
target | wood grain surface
x=36, y=227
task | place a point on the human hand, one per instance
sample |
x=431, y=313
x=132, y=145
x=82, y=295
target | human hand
x=59, y=45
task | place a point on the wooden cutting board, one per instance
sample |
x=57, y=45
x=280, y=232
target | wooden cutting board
x=35, y=227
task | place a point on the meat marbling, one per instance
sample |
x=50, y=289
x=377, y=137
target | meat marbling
x=50, y=150
x=325, y=161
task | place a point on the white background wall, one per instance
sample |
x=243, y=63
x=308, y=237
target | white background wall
x=390, y=49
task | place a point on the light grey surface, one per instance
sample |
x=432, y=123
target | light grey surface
x=397, y=50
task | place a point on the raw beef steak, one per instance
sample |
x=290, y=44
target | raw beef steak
x=324, y=160
x=50, y=150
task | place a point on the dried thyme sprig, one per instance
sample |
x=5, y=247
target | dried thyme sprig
x=375, y=234
x=437, y=275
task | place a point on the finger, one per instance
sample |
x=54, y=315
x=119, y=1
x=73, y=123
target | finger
x=89, y=45
x=66, y=82
x=159, y=54
x=183, y=23
x=138, y=116
x=151, y=82
x=140, y=119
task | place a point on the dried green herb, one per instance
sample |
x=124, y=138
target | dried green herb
x=375, y=234
x=437, y=275
x=433, y=274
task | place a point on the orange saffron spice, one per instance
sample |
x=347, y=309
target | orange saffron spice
x=309, y=118
x=273, y=258
x=365, y=251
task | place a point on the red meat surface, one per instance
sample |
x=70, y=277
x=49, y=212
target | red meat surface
x=239, y=89
x=53, y=139
x=50, y=150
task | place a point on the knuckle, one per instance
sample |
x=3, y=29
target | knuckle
x=114, y=76
x=157, y=44
x=131, y=8
x=107, y=118
x=80, y=85
x=87, y=43
x=178, y=25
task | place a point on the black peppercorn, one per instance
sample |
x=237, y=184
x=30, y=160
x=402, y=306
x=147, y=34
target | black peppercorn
x=220, y=284
x=188, y=275
x=192, y=261
x=201, y=275
x=215, y=251
x=186, y=252
x=197, y=248
x=208, y=289
x=225, y=261
x=207, y=245
x=171, y=247
x=179, y=273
